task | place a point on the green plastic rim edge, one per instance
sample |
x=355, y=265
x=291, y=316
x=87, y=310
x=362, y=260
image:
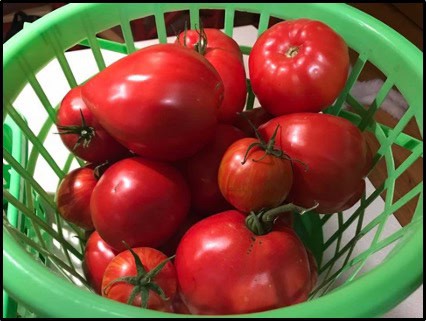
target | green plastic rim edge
x=385, y=281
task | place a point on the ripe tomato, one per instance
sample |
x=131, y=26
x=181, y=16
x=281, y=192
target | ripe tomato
x=97, y=256
x=161, y=102
x=298, y=66
x=257, y=116
x=263, y=181
x=82, y=134
x=229, y=66
x=334, y=153
x=224, y=268
x=215, y=38
x=140, y=202
x=201, y=172
x=124, y=265
x=73, y=196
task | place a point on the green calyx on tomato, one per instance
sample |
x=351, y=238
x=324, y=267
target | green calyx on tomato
x=86, y=133
x=143, y=281
x=262, y=222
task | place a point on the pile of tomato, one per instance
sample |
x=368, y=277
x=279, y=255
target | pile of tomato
x=187, y=198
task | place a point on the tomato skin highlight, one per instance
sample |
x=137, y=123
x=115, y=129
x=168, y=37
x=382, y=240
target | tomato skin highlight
x=161, y=102
x=124, y=265
x=224, y=268
x=74, y=194
x=334, y=154
x=102, y=147
x=258, y=183
x=140, y=202
x=97, y=255
x=298, y=65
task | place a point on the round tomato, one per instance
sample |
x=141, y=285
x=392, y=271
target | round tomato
x=224, y=268
x=254, y=180
x=97, y=255
x=73, y=196
x=139, y=201
x=229, y=66
x=161, y=101
x=154, y=278
x=298, y=66
x=332, y=156
x=257, y=116
x=82, y=134
x=201, y=172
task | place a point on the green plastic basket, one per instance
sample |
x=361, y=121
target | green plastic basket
x=39, y=275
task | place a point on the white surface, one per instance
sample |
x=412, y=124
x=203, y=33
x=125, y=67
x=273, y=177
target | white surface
x=83, y=65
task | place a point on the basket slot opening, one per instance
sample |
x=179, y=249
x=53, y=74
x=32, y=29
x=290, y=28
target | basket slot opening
x=354, y=73
x=33, y=139
x=212, y=18
x=144, y=29
x=38, y=90
x=54, y=41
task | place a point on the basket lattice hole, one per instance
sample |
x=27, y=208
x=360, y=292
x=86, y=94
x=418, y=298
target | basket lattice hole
x=112, y=34
x=243, y=18
x=175, y=23
x=405, y=183
x=74, y=56
x=144, y=29
x=212, y=18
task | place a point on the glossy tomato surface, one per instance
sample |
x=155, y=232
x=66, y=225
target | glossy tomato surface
x=74, y=194
x=100, y=146
x=97, y=255
x=161, y=101
x=201, y=172
x=140, y=202
x=124, y=265
x=332, y=156
x=256, y=184
x=298, y=65
x=224, y=268
x=225, y=55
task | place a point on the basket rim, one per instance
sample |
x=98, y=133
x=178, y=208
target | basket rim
x=18, y=264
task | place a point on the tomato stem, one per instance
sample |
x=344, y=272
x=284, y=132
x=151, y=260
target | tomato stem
x=292, y=52
x=143, y=282
x=262, y=222
x=86, y=133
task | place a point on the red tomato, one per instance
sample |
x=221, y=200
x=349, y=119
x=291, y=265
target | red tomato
x=140, y=202
x=161, y=102
x=179, y=306
x=229, y=66
x=123, y=265
x=334, y=153
x=224, y=268
x=257, y=116
x=97, y=256
x=201, y=172
x=313, y=267
x=256, y=184
x=73, y=196
x=215, y=39
x=298, y=66
x=82, y=134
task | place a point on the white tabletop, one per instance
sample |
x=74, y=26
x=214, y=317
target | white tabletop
x=83, y=65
